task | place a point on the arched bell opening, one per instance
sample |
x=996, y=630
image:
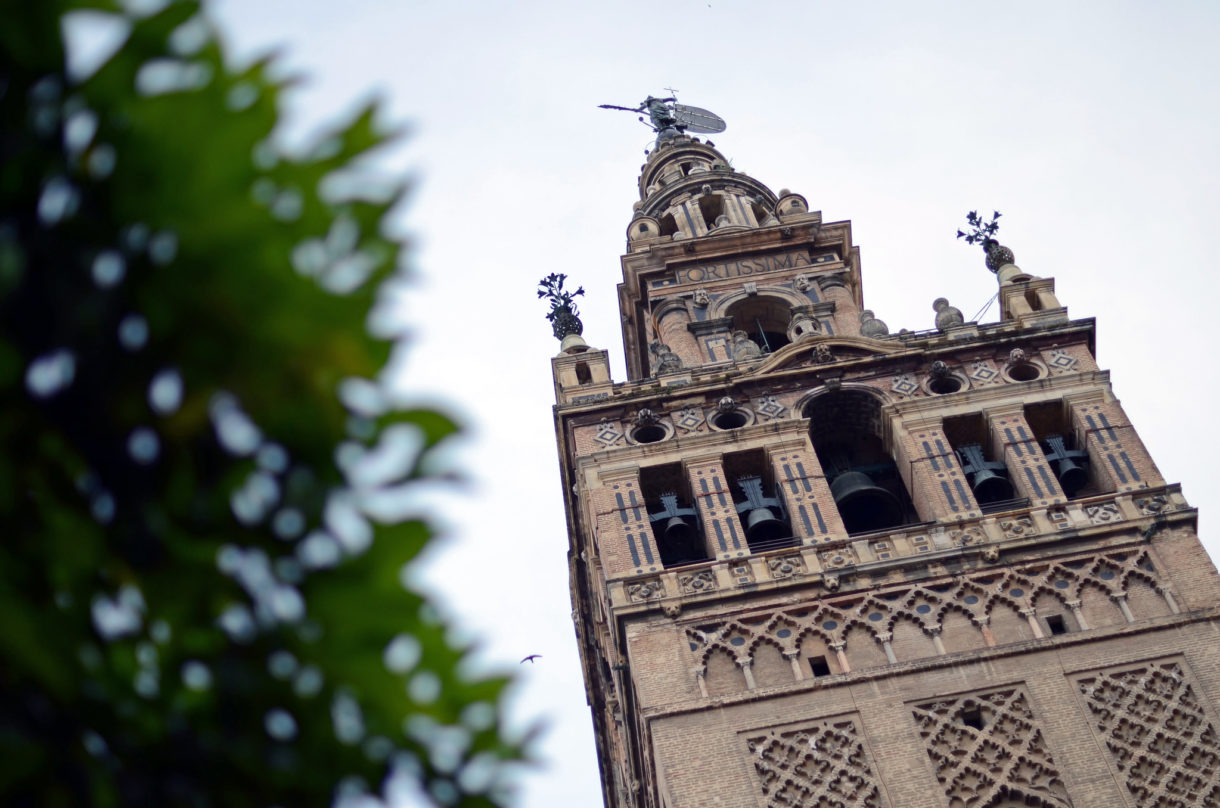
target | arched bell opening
x=764, y=319
x=757, y=501
x=671, y=512
x=986, y=475
x=1064, y=452
x=845, y=428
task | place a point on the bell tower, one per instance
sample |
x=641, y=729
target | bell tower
x=817, y=563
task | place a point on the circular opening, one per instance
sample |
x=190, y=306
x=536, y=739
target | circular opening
x=733, y=419
x=948, y=384
x=650, y=433
x=1024, y=372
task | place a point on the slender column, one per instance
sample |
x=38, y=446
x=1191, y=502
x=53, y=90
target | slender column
x=988, y=637
x=673, y=320
x=746, y=669
x=1077, y=613
x=837, y=647
x=794, y=658
x=1032, y=619
x=887, y=644
x=1169, y=598
x=938, y=642
x=1121, y=601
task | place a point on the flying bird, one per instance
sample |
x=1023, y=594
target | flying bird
x=530, y=659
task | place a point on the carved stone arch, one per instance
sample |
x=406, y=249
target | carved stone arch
x=722, y=674
x=806, y=401
x=910, y=638
x=1007, y=624
x=781, y=621
x=862, y=647
x=1097, y=605
x=1098, y=572
x=720, y=307
x=1059, y=572
x=959, y=628
x=967, y=590
x=769, y=664
x=919, y=596
x=1143, y=598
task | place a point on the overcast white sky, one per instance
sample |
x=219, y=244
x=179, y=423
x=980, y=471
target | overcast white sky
x=1092, y=126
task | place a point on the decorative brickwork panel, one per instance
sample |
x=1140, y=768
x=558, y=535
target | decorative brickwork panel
x=936, y=483
x=624, y=532
x=725, y=535
x=986, y=748
x=1162, y=740
x=1031, y=475
x=802, y=484
x=822, y=765
x=986, y=608
x=1118, y=457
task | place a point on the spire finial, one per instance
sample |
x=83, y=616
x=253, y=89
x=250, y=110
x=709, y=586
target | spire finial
x=983, y=233
x=564, y=317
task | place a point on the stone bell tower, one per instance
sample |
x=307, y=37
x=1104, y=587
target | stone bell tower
x=817, y=563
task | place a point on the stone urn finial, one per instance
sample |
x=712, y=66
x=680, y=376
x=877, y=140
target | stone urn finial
x=946, y=316
x=564, y=317
x=744, y=347
x=664, y=359
x=870, y=326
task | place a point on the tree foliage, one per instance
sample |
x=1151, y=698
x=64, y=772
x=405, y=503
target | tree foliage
x=201, y=561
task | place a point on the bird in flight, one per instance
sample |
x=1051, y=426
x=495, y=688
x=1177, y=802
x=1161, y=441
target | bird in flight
x=530, y=659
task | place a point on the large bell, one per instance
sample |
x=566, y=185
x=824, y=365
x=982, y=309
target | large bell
x=678, y=532
x=863, y=504
x=990, y=487
x=763, y=526
x=1067, y=464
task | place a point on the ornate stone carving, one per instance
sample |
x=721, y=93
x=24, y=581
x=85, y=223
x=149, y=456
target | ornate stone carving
x=802, y=282
x=744, y=347
x=1016, y=356
x=991, y=555
x=1157, y=503
x=750, y=288
x=939, y=369
x=697, y=582
x=651, y=589
x=821, y=354
x=608, y=433
x=726, y=404
x=702, y=299
x=905, y=384
x=664, y=359
x=870, y=326
x=1159, y=734
x=970, y=534
x=1103, y=514
x=946, y=316
x=644, y=417
x=820, y=764
x=839, y=557
x=786, y=566
x=986, y=748
x=1021, y=526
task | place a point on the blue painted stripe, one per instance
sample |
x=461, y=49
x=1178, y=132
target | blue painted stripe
x=622, y=507
x=1033, y=482
x=635, y=553
x=1122, y=478
x=944, y=486
x=805, y=519
x=1012, y=441
x=720, y=536
x=1046, y=478
x=1135, y=475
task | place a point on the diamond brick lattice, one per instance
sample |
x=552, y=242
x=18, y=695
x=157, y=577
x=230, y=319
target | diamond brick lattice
x=823, y=764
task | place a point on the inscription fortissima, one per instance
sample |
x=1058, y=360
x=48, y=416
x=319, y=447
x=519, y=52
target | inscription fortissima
x=741, y=267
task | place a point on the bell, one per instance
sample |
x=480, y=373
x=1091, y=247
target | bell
x=761, y=526
x=1072, y=476
x=863, y=504
x=990, y=487
x=678, y=532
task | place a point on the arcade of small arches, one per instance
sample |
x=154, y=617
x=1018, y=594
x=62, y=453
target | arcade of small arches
x=972, y=612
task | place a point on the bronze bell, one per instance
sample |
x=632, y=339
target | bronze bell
x=763, y=514
x=863, y=504
x=678, y=532
x=1068, y=464
x=988, y=479
x=762, y=525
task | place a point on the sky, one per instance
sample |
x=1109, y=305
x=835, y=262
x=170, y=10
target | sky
x=1092, y=126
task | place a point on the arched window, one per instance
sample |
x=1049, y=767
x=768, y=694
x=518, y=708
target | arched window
x=764, y=319
x=845, y=428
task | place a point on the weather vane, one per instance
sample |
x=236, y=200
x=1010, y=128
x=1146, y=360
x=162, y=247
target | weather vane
x=982, y=232
x=667, y=117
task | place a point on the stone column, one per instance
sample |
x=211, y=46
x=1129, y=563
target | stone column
x=673, y=319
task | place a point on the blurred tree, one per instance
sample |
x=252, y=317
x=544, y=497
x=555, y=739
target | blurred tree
x=201, y=591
